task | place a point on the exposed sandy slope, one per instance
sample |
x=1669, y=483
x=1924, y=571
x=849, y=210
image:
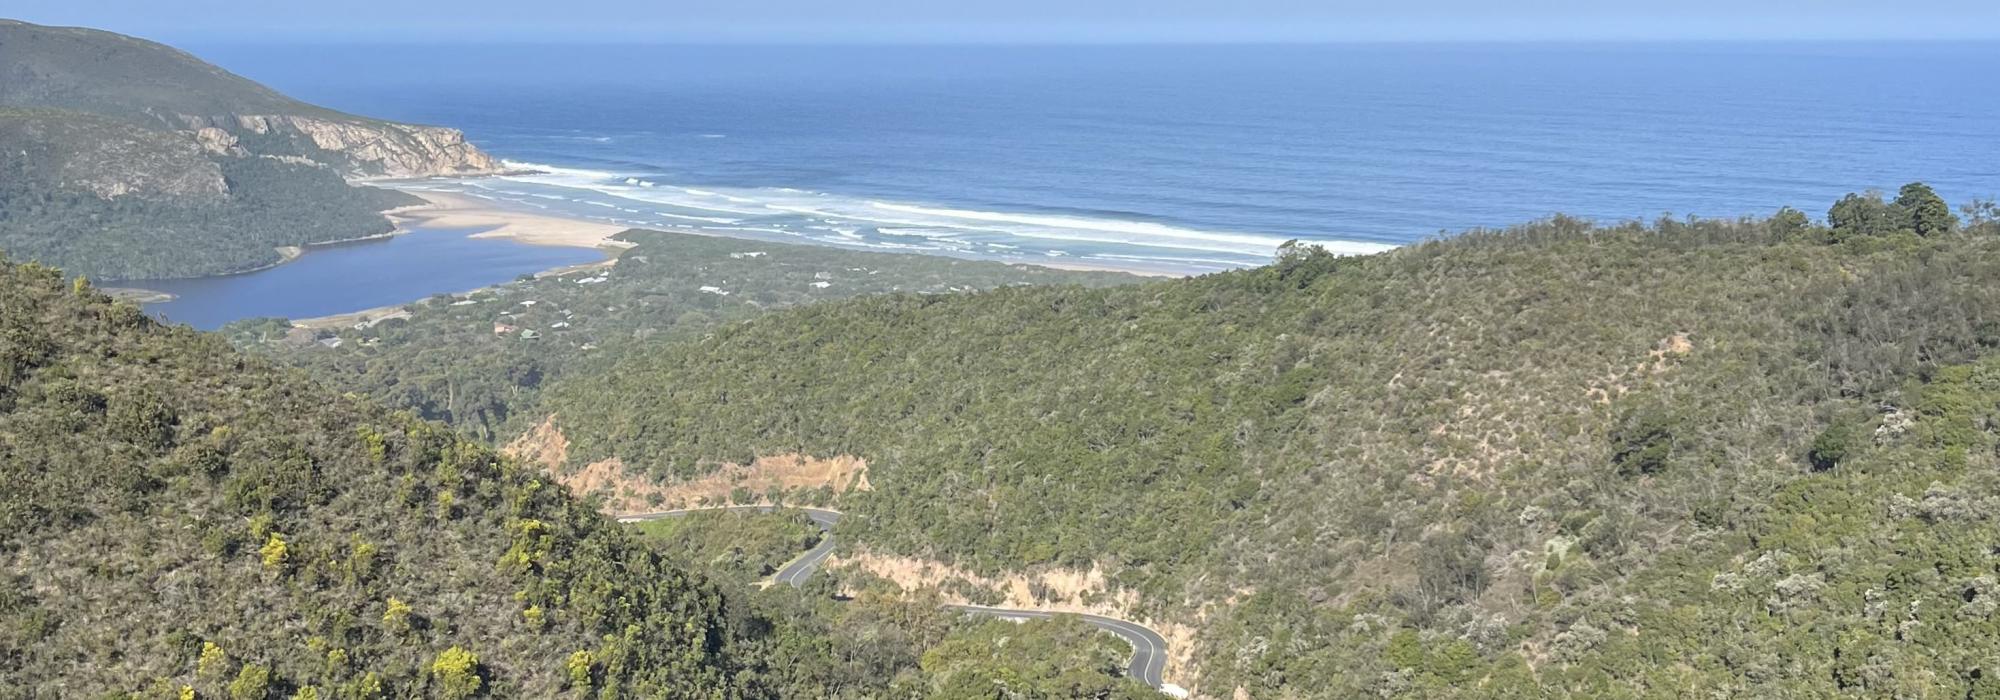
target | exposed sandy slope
x=459, y=211
x=628, y=494
x=1055, y=590
x=1058, y=590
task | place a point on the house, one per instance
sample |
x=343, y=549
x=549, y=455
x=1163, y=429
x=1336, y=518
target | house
x=751, y=254
x=504, y=328
x=559, y=324
x=714, y=290
x=530, y=335
x=822, y=284
x=331, y=342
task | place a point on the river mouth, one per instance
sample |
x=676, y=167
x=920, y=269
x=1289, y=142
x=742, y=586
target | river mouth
x=347, y=277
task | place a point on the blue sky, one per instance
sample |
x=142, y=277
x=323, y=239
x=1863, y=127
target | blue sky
x=1092, y=21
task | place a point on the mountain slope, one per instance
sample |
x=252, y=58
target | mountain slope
x=125, y=159
x=101, y=72
x=466, y=362
x=1451, y=469
x=179, y=515
x=97, y=72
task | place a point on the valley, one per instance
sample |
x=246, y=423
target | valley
x=298, y=404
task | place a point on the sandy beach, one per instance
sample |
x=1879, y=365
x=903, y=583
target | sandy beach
x=1088, y=267
x=447, y=210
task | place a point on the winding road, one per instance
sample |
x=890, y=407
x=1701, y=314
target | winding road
x=1149, y=649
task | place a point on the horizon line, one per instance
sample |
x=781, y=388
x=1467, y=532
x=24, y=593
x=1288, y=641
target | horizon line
x=402, y=40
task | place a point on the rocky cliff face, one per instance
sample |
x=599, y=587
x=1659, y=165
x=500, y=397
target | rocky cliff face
x=106, y=158
x=357, y=148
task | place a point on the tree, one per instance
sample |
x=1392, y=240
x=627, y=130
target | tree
x=1643, y=443
x=1980, y=213
x=1927, y=213
x=1833, y=446
x=1789, y=222
x=1863, y=215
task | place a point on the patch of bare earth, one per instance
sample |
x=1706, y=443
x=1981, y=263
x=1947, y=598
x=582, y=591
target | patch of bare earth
x=1054, y=590
x=629, y=494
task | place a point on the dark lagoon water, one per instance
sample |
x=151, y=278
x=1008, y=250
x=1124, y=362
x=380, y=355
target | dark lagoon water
x=346, y=277
x=1191, y=157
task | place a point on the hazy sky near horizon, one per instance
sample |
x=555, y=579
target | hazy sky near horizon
x=951, y=21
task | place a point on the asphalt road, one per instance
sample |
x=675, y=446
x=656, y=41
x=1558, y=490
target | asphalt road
x=1149, y=649
x=794, y=573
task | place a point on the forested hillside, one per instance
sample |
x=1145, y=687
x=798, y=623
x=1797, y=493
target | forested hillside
x=183, y=519
x=480, y=361
x=1557, y=455
x=178, y=515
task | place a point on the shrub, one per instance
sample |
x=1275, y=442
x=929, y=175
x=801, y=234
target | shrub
x=396, y=618
x=252, y=683
x=274, y=552
x=457, y=673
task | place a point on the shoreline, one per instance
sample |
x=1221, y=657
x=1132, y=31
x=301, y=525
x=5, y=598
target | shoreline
x=1149, y=273
x=442, y=210
x=378, y=314
x=451, y=210
x=491, y=220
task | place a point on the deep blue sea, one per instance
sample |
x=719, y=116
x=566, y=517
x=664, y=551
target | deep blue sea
x=1189, y=158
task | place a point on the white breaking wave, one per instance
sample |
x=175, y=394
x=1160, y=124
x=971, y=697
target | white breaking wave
x=858, y=221
x=1132, y=228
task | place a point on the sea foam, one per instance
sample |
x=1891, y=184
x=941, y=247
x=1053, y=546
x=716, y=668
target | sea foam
x=836, y=219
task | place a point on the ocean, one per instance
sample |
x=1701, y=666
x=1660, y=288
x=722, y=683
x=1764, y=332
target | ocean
x=1177, y=158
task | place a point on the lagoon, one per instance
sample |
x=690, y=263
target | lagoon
x=346, y=277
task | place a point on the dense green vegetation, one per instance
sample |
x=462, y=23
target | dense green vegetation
x=268, y=203
x=1417, y=473
x=1868, y=575
x=180, y=516
x=740, y=545
x=1053, y=658
x=447, y=362
x=182, y=519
